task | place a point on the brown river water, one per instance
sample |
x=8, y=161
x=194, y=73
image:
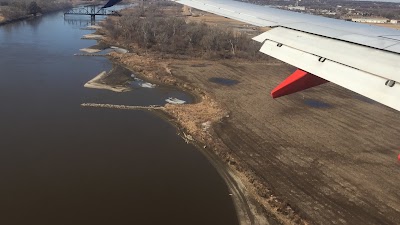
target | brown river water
x=64, y=164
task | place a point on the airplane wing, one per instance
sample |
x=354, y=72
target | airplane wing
x=359, y=57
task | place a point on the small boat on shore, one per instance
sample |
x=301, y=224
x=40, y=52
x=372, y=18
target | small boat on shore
x=174, y=101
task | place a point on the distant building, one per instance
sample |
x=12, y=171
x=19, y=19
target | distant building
x=330, y=13
x=300, y=8
x=393, y=21
x=370, y=20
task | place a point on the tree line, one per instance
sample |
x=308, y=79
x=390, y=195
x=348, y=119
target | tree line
x=387, y=9
x=151, y=29
x=15, y=9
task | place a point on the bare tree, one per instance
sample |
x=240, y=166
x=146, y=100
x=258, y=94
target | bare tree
x=33, y=8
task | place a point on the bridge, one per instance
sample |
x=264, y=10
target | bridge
x=93, y=11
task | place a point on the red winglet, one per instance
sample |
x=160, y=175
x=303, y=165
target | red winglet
x=297, y=81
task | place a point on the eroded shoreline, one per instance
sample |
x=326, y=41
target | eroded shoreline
x=194, y=121
x=98, y=83
x=197, y=121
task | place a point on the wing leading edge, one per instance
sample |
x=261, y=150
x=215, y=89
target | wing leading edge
x=359, y=57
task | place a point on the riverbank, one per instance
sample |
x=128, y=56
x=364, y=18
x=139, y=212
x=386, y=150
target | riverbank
x=194, y=121
x=19, y=14
x=198, y=121
x=4, y=21
x=247, y=131
x=310, y=157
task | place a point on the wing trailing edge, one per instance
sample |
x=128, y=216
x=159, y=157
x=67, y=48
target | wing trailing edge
x=361, y=82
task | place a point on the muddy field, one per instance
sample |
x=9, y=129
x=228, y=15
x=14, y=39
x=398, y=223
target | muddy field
x=327, y=152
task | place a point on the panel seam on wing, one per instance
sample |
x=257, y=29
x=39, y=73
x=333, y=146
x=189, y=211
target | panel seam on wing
x=338, y=39
x=329, y=59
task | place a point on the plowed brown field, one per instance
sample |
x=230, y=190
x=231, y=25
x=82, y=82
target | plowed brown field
x=328, y=152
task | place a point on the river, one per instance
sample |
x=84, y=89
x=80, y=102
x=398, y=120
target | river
x=64, y=164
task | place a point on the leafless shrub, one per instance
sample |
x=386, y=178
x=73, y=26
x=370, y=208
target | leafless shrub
x=172, y=36
x=15, y=9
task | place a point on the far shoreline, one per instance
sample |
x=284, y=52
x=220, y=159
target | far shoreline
x=17, y=20
x=28, y=17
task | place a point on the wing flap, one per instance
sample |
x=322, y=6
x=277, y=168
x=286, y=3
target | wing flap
x=361, y=82
x=374, y=61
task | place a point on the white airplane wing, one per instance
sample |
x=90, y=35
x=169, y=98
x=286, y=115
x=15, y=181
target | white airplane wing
x=359, y=57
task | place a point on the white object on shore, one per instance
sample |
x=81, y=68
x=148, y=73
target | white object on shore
x=94, y=27
x=90, y=50
x=146, y=85
x=174, y=101
x=119, y=50
x=206, y=125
